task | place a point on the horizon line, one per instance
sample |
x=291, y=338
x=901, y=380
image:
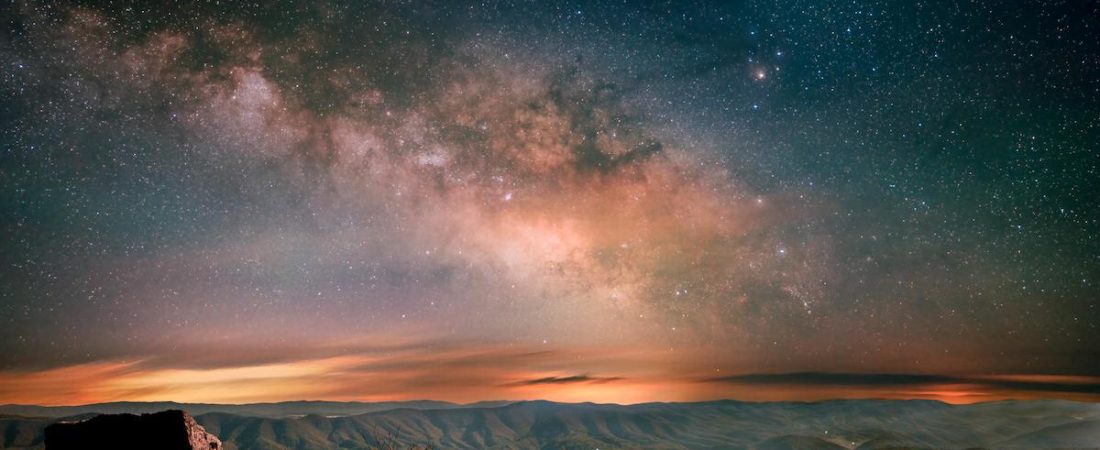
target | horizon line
x=511, y=402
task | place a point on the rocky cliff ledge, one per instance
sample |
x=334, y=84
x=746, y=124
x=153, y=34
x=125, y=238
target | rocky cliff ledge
x=169, y=430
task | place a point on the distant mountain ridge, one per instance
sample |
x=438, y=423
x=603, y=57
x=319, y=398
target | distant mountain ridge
x=850, y=424
x=273, y=409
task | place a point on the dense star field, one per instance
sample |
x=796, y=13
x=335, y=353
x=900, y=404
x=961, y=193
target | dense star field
x=615, y=202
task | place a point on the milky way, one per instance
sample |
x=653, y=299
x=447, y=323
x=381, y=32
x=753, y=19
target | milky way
x=576, y=202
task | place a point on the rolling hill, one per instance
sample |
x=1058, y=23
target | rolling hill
x=852, y=424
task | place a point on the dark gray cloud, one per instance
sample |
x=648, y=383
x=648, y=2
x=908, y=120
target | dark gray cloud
x=895, y=380
x=572, y=379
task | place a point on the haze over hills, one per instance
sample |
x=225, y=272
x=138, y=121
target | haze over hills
x=711, y=425
x=273, y=409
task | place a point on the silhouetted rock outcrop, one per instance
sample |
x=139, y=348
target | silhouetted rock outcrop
x=168, y=430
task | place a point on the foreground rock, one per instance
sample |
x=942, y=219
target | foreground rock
x=168, y=430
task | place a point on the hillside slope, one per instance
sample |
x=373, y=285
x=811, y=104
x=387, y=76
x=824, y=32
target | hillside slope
x=711, y=425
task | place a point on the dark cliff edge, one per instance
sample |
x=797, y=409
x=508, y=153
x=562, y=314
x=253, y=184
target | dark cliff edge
x=168, y=430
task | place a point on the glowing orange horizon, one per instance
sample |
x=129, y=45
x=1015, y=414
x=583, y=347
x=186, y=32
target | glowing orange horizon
x=351, y=378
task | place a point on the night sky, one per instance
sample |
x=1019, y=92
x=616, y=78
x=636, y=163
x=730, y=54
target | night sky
x=620, y=202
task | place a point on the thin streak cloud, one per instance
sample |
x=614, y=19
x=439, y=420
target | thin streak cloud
x=565, y=380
